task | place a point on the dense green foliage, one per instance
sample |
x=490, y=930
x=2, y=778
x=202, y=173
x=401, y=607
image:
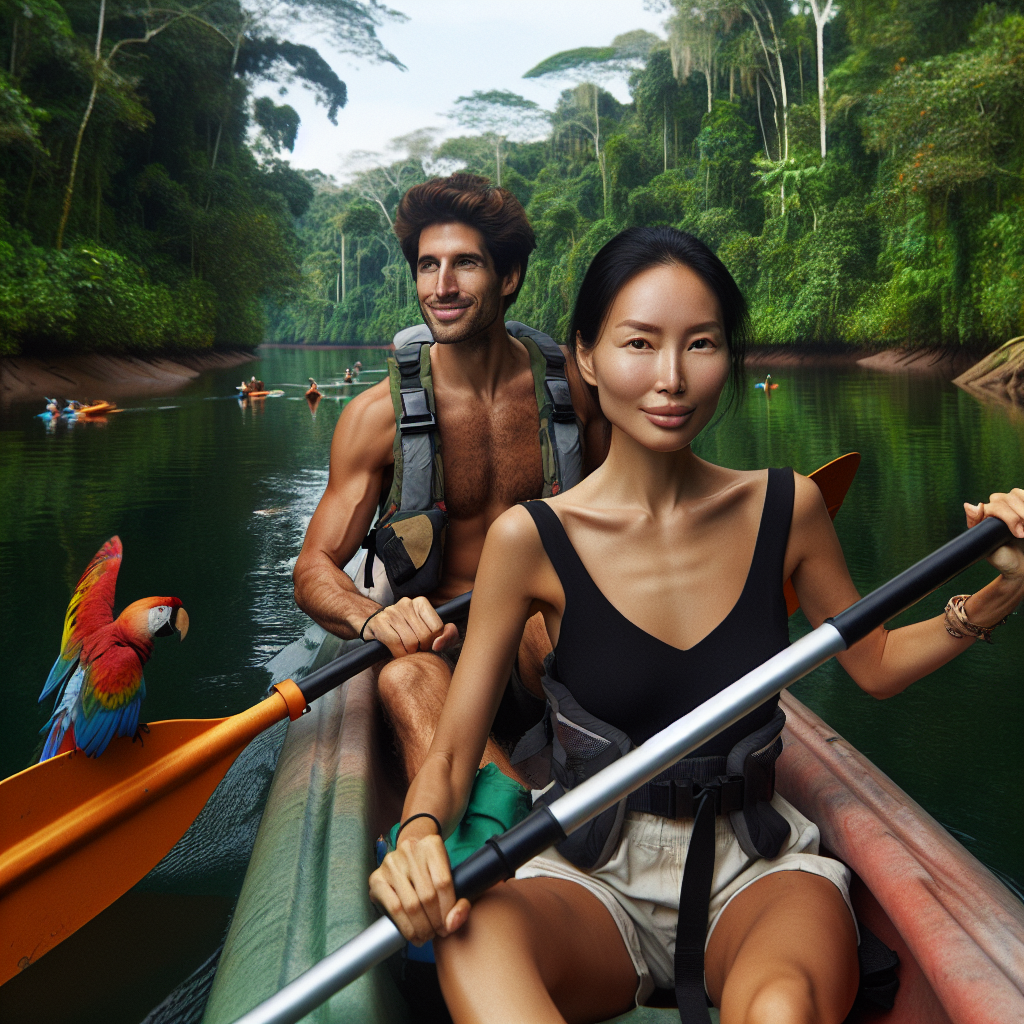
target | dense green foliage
x=909, y=230
x=143, y=202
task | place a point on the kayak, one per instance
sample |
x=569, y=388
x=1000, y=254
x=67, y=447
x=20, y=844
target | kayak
x=96, y=409
x=260, y=394
x=958, y=931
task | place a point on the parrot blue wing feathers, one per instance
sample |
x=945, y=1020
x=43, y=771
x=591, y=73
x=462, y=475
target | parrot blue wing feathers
x=59, y=674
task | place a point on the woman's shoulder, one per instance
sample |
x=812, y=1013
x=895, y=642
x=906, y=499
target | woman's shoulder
x=515, y=527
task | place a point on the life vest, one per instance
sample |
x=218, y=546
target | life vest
x=408, y=536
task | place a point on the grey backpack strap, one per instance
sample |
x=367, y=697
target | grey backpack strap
x=417, y=426
x=558, y=418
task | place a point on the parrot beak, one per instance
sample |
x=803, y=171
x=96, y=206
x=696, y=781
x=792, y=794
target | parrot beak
x=180, y=622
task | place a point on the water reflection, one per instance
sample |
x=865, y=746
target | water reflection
x=211, y=498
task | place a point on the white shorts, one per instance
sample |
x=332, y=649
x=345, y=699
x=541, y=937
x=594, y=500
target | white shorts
x=640, y=883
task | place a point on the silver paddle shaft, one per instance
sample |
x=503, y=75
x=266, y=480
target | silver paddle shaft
x=578, y=806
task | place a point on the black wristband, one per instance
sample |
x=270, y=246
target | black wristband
x=413, y=817
x=365, y=624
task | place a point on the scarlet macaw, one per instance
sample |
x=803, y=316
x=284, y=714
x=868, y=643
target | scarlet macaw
x=101, y=659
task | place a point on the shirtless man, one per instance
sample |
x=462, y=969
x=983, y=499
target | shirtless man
x=467, y=244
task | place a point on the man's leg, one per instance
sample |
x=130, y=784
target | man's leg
x=412, y=690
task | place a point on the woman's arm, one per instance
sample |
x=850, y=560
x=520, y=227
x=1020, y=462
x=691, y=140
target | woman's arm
x=886, y=662
x=414, y=882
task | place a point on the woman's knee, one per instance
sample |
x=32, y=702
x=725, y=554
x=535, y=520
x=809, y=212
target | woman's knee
x=783, y=999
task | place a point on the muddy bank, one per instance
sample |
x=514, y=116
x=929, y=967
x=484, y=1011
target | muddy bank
x=999, y=376
x=95, y=376
x=941, y=362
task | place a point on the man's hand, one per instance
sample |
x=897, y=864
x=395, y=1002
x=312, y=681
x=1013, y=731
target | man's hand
x=410, y=625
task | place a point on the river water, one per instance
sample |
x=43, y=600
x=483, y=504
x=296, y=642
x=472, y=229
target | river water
x=211, y=500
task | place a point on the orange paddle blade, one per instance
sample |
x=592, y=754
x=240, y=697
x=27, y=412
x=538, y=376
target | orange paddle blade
x=80, y=832
x=833, y=480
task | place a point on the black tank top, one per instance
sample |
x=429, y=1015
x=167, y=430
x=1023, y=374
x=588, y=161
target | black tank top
x=640, y=684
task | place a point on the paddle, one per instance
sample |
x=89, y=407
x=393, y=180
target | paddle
x=498, y=859
x=80, y=832
x=84, y=831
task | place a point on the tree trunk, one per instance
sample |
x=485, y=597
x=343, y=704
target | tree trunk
x=782, y=86
x=600, y=155
x=820, y=17
x=227, y=105
x=497, y=159
x=760, y=118
x=343, y=266
x=69, y=192
x=664, y=133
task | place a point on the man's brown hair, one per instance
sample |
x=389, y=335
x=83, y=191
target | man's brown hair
x=469, y=199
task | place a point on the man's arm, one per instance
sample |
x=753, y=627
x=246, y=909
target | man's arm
x=361, y=451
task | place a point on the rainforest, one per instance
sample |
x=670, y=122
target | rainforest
x=857, y=164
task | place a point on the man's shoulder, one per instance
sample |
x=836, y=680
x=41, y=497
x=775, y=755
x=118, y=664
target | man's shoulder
x=367, y=424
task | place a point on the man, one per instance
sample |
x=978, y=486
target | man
x=467, y=244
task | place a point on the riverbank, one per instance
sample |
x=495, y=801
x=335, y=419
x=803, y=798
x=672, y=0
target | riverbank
x=96, y=376
x=940, y=362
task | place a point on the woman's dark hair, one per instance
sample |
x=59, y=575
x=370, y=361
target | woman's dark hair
x=468, y=199
x=638, y=249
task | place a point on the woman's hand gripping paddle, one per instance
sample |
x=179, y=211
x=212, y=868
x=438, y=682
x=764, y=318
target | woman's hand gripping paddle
x=79, y=832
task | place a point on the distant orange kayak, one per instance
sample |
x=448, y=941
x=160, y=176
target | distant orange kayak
x=96, y=409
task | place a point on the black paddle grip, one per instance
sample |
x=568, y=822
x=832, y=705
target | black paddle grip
x=325, y=679
x=910, y=586
x=497, y=860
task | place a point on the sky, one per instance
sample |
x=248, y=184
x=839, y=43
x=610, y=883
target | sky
x=450, y=48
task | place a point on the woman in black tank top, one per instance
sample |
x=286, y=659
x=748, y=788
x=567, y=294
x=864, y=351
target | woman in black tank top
x=660, y=579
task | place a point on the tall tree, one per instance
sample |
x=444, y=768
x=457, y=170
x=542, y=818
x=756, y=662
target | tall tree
x=502, y=115
x=588, y=65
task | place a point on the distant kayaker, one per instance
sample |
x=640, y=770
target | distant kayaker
x=348, y=375
x=660, y=580
x=358, y=368
x=467, y=244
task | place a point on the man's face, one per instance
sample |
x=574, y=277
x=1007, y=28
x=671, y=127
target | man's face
x=460, y=293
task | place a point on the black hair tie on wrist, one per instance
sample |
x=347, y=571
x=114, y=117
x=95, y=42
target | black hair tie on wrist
x=413, y=817
x=367, y=622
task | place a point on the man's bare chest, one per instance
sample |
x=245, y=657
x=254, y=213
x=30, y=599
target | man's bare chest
x=491, y=453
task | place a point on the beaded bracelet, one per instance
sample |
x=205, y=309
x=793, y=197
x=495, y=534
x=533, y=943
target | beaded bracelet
x=413, y=817
x=959, y=626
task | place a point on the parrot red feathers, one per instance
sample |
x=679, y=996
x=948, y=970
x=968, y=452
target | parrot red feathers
x=99, y=668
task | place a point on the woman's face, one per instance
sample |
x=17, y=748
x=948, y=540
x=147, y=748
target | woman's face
x=661, y=359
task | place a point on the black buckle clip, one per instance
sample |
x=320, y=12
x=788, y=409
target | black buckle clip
x=561, y=400
x=416, y=415
x=680, y=798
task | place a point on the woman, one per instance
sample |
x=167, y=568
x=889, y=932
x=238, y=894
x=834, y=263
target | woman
x=660, y=581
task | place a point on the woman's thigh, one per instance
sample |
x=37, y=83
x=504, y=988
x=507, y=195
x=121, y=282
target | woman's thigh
x=784, y=950
x=537, y=950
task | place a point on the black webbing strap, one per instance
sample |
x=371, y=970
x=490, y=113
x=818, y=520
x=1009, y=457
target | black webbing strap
x=694, y=898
